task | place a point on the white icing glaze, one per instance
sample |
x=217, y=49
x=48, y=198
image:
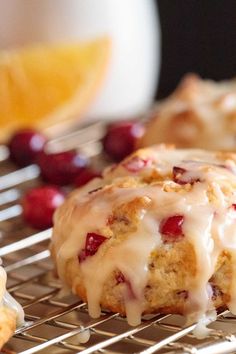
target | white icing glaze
x=83, y=337
x=129, y=257
x=201, y=330
x=209, y=225
x=7, y=300
x=10, y=302
x=3, y=279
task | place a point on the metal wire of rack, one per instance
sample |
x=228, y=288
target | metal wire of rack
x=58, y=322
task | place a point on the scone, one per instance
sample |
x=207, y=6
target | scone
x=11, y=313
x=200, y=113
x=156, y=234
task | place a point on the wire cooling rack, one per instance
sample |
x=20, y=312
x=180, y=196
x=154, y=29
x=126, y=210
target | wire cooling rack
x=58, y=322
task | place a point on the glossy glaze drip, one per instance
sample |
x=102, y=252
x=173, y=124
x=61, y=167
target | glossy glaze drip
x=10, y=302
x=7, y=300
x=129, y=257
x=210, y=226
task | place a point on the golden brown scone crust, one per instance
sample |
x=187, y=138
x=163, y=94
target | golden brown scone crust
x=170, y=274
x=199, y=113
x=172, y=267
x=7, y=324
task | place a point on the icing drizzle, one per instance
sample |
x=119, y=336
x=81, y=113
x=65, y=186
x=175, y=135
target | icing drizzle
x=7, y=300
x=204, y=194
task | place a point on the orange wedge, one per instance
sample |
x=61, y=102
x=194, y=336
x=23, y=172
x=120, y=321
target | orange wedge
x=48, y=84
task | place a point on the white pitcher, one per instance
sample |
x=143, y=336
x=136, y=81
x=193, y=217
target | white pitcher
x=132, y=24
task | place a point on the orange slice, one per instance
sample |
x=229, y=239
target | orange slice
x=47, y=84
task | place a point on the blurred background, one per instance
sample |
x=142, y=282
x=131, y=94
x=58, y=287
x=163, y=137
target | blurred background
x=149, y=46
x=197, y=36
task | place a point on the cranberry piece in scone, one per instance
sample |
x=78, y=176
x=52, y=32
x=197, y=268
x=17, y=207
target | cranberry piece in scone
x=92, y=244
x=180, y=176
x=171, y=228
x=120, y=278
x=177, y=174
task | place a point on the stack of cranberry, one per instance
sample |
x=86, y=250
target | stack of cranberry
x=61, y=169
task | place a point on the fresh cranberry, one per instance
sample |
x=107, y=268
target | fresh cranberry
x=234, y=206
x=178, y=176
x=171, y=228
x=121, y=139
x=136, y=164
x=93, y=242
x=61, y=168
x=25, y=145
x=39, y=205
x=85, y=176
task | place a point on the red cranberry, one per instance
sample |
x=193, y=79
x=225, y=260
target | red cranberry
x=183, y=294
x=61, y=168
x=178, y=176
x=234, y=206
x=171, y=228
x=120, y=278
x=85, y=176
x=93, y=242
x=39, y=205
x=136, y=164
x=121, y=139
x=25, y=145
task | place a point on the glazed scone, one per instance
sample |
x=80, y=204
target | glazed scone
x=156, y=234
x=200, y=113
x=11, y=313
